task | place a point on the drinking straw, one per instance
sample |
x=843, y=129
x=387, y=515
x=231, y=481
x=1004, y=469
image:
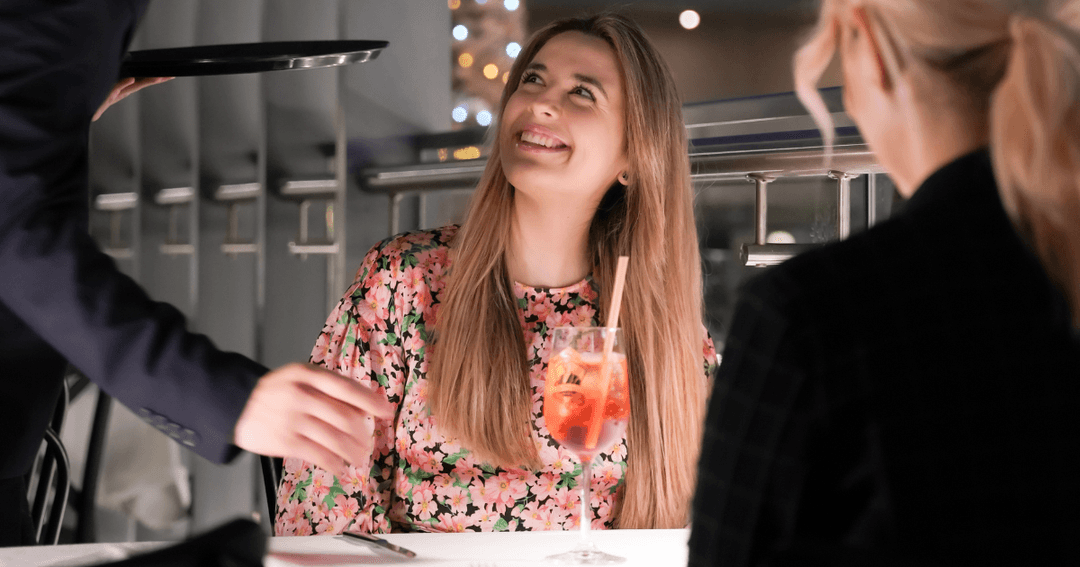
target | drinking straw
x=593, y=434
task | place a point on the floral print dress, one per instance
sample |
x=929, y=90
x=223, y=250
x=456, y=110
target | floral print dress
x=418, y=479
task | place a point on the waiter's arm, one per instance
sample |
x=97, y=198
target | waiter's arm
x=59, y=61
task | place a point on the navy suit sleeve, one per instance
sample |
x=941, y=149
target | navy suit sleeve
x=58, y=61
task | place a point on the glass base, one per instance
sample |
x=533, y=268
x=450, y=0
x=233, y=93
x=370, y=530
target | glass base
x=585, y=554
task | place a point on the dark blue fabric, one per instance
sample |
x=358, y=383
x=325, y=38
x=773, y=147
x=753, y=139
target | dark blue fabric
x=908, y=396
x=60, y=296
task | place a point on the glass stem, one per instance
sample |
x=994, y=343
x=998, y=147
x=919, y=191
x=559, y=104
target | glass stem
x=586, y=506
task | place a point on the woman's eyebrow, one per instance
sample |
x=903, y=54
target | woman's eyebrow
x=587, y=79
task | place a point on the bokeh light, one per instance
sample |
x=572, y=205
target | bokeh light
x=491, y=71
x=460, y=113
x=689, y=19
x=511, y=4
x=460, y=32
x=454, y=4
x=470, y=152
x=483, y=118
x=513, y=48
x=465, y=60
x=780, y=237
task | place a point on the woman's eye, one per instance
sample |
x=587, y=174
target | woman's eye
x=530, y=78
x=579, y=90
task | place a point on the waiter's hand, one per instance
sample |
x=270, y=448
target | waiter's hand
x=307, y=412
x=124, y=87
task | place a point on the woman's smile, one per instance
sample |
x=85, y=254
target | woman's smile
x=537, y=139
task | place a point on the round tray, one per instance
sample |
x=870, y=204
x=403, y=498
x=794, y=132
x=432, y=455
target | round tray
x=236, y=58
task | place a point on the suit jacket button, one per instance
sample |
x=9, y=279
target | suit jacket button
x=188, y=437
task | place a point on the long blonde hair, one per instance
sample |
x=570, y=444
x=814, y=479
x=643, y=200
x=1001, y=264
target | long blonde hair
x=478, y=376
x=1017, y=61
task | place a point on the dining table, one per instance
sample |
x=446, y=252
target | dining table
x=652, y=548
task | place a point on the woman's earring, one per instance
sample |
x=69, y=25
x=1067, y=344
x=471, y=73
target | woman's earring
x=624, y=179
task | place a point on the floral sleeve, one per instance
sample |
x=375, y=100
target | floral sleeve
x=711, y=362
x=359, y=341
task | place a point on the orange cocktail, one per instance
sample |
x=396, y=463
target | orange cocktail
x=584, y=412
x=586, y=407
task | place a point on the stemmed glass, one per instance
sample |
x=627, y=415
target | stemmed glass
x=586, y=408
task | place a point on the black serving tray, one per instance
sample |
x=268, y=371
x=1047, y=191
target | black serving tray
x=237, y=58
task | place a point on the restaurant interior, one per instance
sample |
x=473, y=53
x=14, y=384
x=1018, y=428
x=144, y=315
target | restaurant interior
x=248, y=200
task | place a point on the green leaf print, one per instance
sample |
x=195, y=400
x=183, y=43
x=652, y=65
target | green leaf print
x=334, y=491
x=523, y=303
x=416, y=476
x=570, y=479
x=380, y=510
x=390, y=340
x=453, y=459
x=383, y=380
x=487, y=468
x=501, y=525
x=350, y=339
x=300, y=493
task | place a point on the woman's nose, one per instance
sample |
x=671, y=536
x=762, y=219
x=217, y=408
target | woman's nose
x=546, y=104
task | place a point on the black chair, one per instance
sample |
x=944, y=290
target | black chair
x=54, y=466
x=271, y=472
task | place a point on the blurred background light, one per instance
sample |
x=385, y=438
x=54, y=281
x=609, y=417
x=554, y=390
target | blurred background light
x=460, y=114
x=780, y=237
x=483, y=49
x=689, y=19
x=471, y=152
x=454, y=4
x=483, y=118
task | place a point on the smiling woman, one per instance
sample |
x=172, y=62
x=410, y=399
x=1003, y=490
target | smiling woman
x=452, y=325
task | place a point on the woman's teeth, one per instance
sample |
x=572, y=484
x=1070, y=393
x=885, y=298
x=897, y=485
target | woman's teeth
x=541, y=140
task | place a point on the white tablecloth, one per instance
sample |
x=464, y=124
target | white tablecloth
x=652, y=548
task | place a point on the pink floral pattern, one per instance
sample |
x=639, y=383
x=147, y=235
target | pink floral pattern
x=418, y=479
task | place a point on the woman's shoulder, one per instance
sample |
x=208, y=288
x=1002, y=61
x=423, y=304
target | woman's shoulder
x=418, y=248
x=416, y=241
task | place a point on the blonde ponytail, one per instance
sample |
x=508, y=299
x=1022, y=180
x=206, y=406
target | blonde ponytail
x=1035, y=144
x=1027, y=69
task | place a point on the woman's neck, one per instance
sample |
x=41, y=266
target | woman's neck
x=938, y=132
x=548, y=243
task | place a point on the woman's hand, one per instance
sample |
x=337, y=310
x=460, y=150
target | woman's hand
x=307, y=412
x=124, y=87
